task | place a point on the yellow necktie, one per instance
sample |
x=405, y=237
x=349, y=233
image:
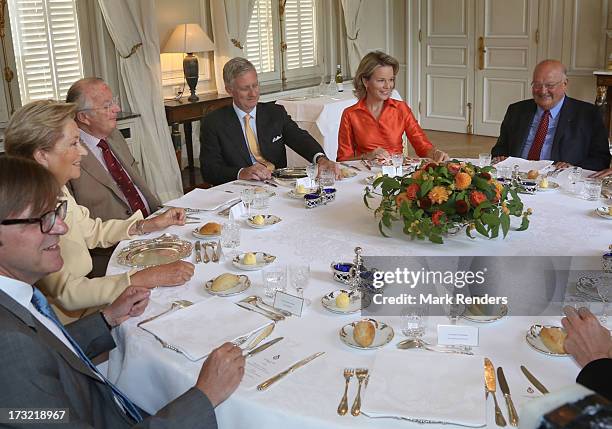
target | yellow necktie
x=252, y=142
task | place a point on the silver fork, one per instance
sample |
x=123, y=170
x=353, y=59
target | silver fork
x=215, y=252
x=343, y=406
x=206, y=257
x=362, y=374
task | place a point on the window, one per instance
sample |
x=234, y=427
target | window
x=47, y=48
x=301, y=59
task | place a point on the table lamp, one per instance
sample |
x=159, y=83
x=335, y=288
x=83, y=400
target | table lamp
x=189, y=38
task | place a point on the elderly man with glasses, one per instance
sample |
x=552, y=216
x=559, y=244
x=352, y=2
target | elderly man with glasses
x=553, y=126
x=110, y=186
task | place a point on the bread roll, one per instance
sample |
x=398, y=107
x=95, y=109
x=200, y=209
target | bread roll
x=533, y=174
x=224, y=282
x=210, y=228
x=554, y=339
x=363, y=333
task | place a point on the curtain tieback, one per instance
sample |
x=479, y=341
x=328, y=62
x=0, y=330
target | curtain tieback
x=237, y=43
x=353, y=38
x=133, y=50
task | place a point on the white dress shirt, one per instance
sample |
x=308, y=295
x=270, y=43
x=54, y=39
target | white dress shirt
x=92, y=145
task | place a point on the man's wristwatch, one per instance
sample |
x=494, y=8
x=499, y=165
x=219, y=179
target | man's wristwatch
x=318, y=156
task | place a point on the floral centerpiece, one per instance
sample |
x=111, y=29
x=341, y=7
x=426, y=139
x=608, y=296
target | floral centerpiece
x=439, y=198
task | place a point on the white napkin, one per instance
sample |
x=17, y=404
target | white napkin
x=429, y=386
x=524, y=164
x=198, y=329
x=203, y=199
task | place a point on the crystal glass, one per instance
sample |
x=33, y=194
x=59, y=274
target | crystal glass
x=230, y=236
x=413, y=320
x=604, y=290
x=484, y=159
x=274, y=279
x=261, y=200
x=311, y=172
x=397, y=159
x=504, y=172
x=326, y=178
x=299, y=276
x=574, y=180
x=591, y=190
x=247, y=195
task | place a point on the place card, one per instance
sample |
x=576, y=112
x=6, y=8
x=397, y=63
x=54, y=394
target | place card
x=389, y=170
x=237, y=212
x=304, y=181
x=292, y=304
x=457, y=335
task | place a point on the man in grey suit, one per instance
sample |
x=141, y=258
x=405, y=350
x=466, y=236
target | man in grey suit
x=45, y=365
x=100, y=188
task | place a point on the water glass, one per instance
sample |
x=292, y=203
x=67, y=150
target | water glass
x=261, y=200
x=397, y=159
x=484, y=159
x=413, y=320
x=230, y=236
x=326, y=178
x=311, y=172
x=274, y=279
x=592, y=189
x=574, y=180
x=604, y=290
x=299, y=276
x=504, y=172
x=247, y=195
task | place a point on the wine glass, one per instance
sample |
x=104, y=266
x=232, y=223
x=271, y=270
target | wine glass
x=397, y=160
x=299, y=275
x=230, y=237
x=247, y=195
x=413, y=319
x=311, y=172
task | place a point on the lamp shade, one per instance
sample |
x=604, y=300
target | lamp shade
x=188, y=38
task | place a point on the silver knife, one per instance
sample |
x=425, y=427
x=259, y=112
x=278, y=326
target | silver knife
x=198, y=255
x=268, y=314
x=274, y=379
x=534, y=380
x=263, y=347
x=268, y=182
x=503, y=385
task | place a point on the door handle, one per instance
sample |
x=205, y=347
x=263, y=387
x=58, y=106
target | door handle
x=481, y=52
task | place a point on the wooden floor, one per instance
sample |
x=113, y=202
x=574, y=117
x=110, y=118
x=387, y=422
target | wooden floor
x=455, y=144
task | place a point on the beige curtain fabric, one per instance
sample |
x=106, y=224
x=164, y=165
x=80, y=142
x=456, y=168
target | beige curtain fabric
x=133, y=27
x=351, y=11
x=230, y=22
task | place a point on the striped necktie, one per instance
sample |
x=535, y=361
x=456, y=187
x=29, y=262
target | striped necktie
x=42, y=305
x=540, y=136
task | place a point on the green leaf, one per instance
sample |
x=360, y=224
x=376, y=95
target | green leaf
x=380, y=228
x=495, y=231
x=436, y=238
x=425, y=188
x=480, y=228
x=505, y=223
x=490, y=219
x=524, y=224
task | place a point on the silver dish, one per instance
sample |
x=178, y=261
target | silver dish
x=383, y=335
x=161, y=250
x=243, y=284
x=501, y=312
x=588, y=286
x=290, y=173
x=533, y=339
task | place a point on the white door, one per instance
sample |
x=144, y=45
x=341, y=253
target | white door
x=477, y=57
x=505, y=57
x=447, y=64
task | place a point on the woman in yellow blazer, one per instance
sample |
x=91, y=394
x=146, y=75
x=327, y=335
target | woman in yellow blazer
x=45, y=131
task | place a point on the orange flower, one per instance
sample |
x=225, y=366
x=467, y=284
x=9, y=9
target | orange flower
x=400, y=198
x=412, y=190
x=438, y=194
x=417, y=174
x=436, y=216
x=462, y=181
x=477, y=197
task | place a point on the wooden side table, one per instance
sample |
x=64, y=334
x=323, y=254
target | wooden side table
x=604, y=79
x=184, y=112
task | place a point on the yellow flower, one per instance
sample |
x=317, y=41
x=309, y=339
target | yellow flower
x=438, y=194
x=462, y=181
x=498, y=186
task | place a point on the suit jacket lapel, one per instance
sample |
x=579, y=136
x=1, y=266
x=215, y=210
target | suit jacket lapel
x=565, y=117
x=525, y=120
x=263, y=136
x=234, y=127
x=92, y=166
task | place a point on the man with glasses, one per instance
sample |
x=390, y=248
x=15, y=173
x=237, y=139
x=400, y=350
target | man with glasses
x=553, y=126
x=46, y=365
x=110, y=186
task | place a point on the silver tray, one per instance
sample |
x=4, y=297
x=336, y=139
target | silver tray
x=290, y=173
x=164, y=249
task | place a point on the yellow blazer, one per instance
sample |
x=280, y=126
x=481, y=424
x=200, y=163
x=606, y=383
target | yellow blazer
x=69, y=289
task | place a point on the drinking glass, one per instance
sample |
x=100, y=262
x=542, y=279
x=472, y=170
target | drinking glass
x=247, y=195
x=397, y=159
x=504, y=172
x=274, y=279
x=574, y=180
x=311, y=172
x=230, y=236
x=484, y=159
x=261, y=200
x=592, y=189
x=604, y=290
x=413, y=320
x=299, y=276
x=326, y=178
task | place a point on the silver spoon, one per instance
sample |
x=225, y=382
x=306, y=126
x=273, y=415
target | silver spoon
x=260, y=303
x=178, y=304
x=420, y=344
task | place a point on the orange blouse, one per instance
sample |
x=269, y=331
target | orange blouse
x=360, y=132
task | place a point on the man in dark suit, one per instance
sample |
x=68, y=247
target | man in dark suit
x=247, y=140
x=591, y=346
x=553, y=126
x=45, y=365
x=100, y=188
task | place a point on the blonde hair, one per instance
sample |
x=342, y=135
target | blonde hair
x=234, y=68
x=366, y=68
x=36, y=126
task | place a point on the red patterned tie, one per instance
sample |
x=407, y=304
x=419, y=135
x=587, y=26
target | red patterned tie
x=538, y=140
x=122, y=179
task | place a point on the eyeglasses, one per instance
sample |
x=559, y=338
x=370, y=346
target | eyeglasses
x=106, y=106
x=548, y=86
x=46, y=221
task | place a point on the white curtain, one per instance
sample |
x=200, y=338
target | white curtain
x=230, y=22
x=350, y=11
x=133, y=28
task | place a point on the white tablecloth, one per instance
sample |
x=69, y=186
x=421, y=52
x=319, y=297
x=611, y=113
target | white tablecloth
x=562, y=224
x=320, y=116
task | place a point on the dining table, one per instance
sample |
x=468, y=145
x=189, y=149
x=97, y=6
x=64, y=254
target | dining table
x=562, y=224
x=319, y=115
